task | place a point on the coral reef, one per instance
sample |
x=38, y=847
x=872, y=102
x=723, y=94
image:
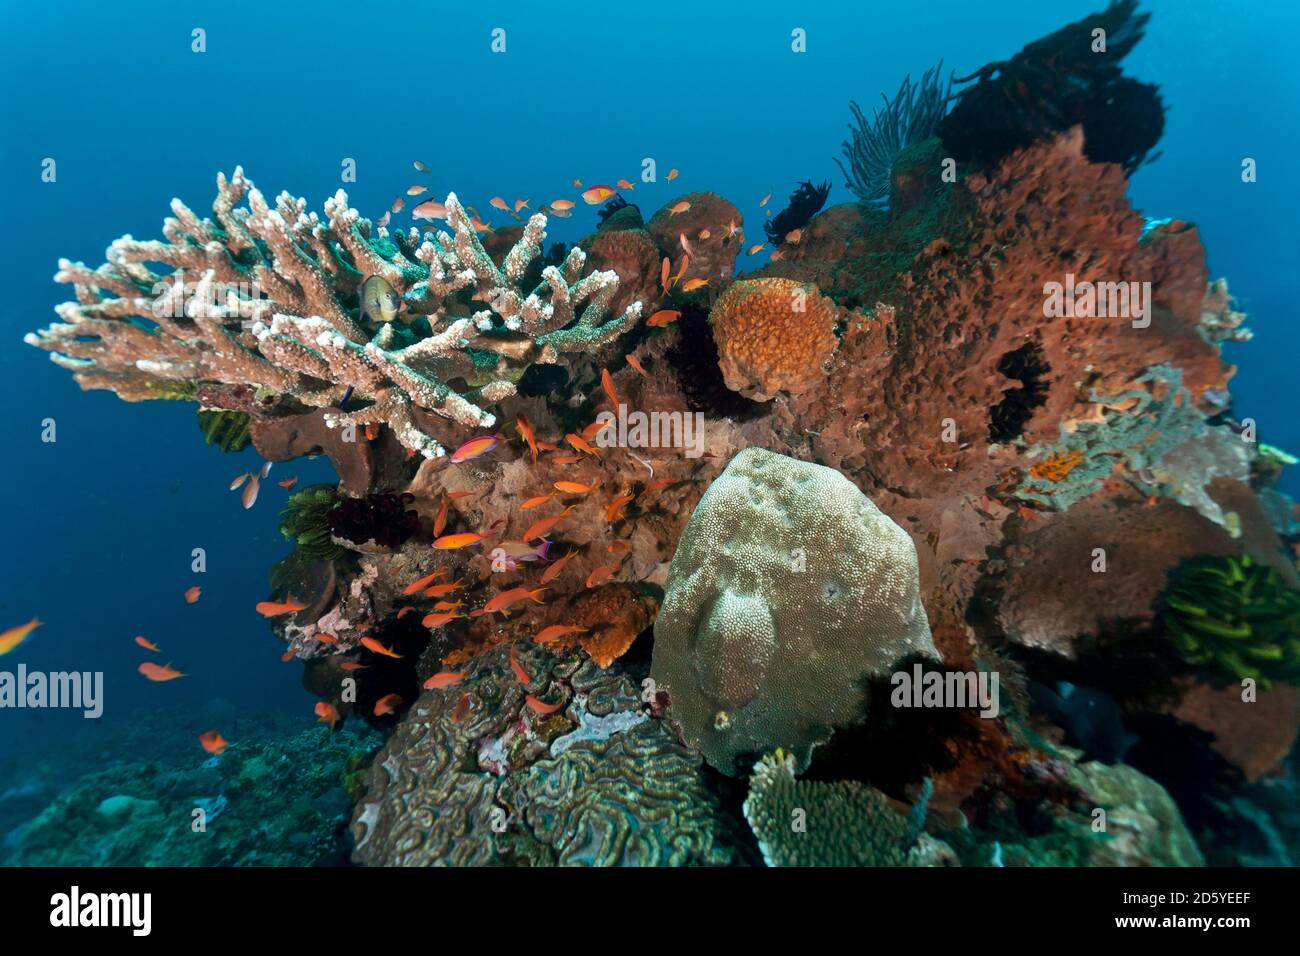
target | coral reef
x=910, y=117
x=276, y=797
x=271, y=308
x=802, y=823
x=927, y=455
x=788, y=588
x=566, y=770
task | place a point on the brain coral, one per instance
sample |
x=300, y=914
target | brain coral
x=773, y=335
x=788, y=588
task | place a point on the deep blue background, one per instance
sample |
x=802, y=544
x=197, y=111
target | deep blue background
x=99, y=526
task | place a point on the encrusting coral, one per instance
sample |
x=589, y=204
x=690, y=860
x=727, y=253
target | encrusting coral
x=271, y=307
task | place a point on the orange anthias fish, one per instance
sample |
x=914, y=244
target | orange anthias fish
x=387, y=704
x=565, y=459
x=288, y=482
x=14, y=637
x=159, y=674
x=372, y=431
x=351, y=666
x=439, y=619
x=526, y=429
x=148, y=645
x=424, y=582
x=763, y=202
x=521, y=204
x=619, y=546
x=614, y=510
x=496, y=202
x=438, y=590
x=577, y=184
x=681, y=270
x=574, y=488
x=192, y=594
x=440, y=519
x=328, y=713
x=239, y=480
x=607, y=383
x=579, y=444
x=276, y=608
x=793, y=236
x=398, y=205
x=692, y=284
x=555, y=632
x=461, y=710
x=508, y=599
x=444, y=679
x=539, y=529
x=663, y=317
x=655, y=485
x=756, y=249
x=535, y=501
x=475, y=448
x=679, y=208
x=601, y=574
x=625, y=184
x=550, y=573
x=663, y=274
x=450, y=542
x=672, y=174
x=448, y=605
x=416, y=189
x=635, y=362
x=519, y=671
x=592, y=430
x=540, y=707
x=429, y=209
x=249, y=497
x=597, y=194
x=562, y=205
x=370, y=644
x=213, y=742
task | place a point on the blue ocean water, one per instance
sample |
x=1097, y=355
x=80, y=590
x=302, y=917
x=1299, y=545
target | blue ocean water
x=101, y=524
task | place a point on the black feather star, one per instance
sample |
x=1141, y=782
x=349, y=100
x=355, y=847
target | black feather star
x=805, y=202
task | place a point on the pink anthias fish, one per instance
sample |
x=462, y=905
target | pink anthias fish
x=475, y=448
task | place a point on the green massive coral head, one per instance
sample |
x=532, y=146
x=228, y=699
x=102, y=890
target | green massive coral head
x=1236, y=616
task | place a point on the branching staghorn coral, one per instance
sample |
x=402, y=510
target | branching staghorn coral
x=269, y=303
x=911, y=116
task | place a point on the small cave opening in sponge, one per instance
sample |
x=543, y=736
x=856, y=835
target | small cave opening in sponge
x=1007, y=419
x=695, y=359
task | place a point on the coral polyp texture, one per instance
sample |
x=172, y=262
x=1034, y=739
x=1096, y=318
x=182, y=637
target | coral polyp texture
x=264, y=296
x=788, y=590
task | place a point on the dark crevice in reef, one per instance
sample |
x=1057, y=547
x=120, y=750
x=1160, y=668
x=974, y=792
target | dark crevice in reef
x=895, y=746
x=1026, y=365
x=695, y=359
